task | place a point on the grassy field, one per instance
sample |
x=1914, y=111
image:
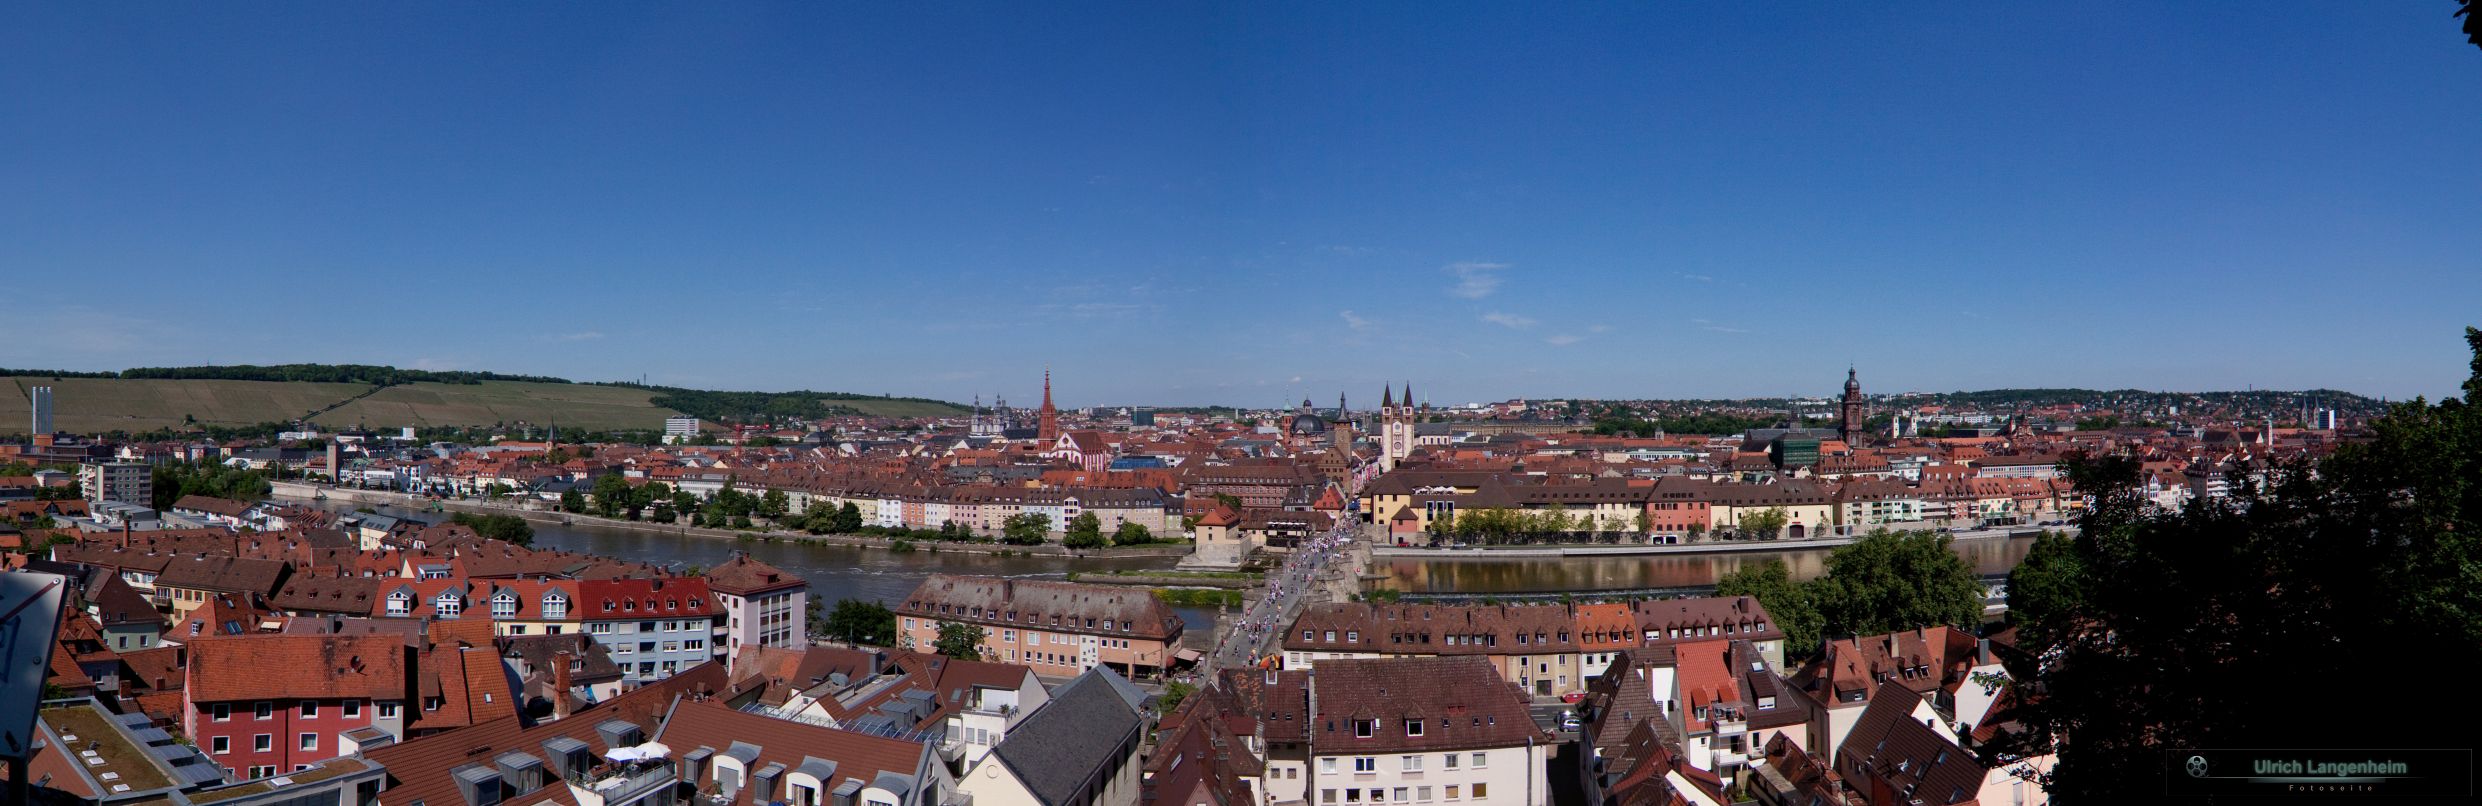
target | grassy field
x=571, y=405
x=91, y=405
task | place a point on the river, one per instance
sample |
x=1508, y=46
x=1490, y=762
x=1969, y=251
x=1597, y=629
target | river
x=1669, y=573
x=835, y=572
x=840, y=572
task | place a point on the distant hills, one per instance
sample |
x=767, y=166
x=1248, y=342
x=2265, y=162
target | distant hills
x=342, y=395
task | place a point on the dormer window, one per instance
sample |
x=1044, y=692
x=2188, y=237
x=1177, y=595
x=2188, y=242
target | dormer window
x=555, y=606
x=504, y=605
x=1364, y=728
x=448, y=605
x=1413, y=727
x=400, y=604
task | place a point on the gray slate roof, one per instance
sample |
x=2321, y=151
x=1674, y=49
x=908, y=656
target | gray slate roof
x=1064, y=749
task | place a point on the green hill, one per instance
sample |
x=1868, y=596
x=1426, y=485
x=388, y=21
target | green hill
x=99, y=404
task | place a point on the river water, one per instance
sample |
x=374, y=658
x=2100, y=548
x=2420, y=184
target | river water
x=1670, y=572
x=840, y=572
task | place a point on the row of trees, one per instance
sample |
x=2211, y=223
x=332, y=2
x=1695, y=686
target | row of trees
x=1550, y=525
x=210, y=479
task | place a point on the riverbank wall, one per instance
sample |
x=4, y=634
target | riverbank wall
x=1717, y=547
x=299, y=491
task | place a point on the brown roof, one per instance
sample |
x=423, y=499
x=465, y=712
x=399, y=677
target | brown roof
x=742, y=576
x=1062, y=606
x=226, y=574
x=856, y=755
x=261, y=666
x=1460, y=701
x=419, y=770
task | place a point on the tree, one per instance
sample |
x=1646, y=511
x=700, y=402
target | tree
x=2046, y=585
x=1788, y=601
x=1765, y=523
x=959, y=640
x=848, y=519
x=859, y=622
x=572, y=501
x=1888, y=581
x=612, y=495
x=1645, y=524
x=1132, y=533
x=646, y=495
x=1173, y=693
x=1025, y=529
x=774, y=504
x=497, y=527
x=2196, y=628
x=1085, y=532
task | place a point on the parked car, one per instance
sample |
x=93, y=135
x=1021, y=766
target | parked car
x=1572, y=697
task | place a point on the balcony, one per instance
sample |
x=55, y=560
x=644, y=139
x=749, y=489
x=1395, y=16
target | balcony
x=623, y=784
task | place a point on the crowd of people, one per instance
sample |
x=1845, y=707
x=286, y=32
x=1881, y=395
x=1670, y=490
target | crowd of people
x=1264, y=616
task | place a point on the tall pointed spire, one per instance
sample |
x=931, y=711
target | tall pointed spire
x=1048, y=430
x=1387, y=397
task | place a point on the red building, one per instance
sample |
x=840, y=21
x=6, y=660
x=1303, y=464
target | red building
x=263, y=704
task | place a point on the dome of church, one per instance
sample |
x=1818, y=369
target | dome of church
x=1308, y=424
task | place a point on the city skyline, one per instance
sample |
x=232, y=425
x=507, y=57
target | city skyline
x=1178, y=207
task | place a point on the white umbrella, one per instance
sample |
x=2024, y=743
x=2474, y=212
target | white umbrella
x=621, y=754
x=653, y=750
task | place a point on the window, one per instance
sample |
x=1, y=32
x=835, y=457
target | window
x=1402, y=793
x=223, y=712
x=1327, y=796
x=263, y=742
x=1422, y=793
x=263, y=710
x=310, y=709
x=600, y=628
x=222, y=745
x=400, y=604
x=1363, y=728
x=448, y=605
x=555, y=606
x=387, y=710
x=504, y=605
x=1452, y=790
x=1365, y=764
x=1410, y=764
x=310, y=741
x=1413, y=727
x=353, y=709
x=1481, y=790
x=1480, y=761
x=262, y=772
x=1327, y=766
x=1449, y=762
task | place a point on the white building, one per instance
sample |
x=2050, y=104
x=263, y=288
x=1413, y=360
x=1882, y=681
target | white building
x=680, y=429
x=763, y=605
x=1421, y=730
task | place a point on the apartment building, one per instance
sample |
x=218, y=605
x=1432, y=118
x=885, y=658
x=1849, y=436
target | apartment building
x=1058, y=628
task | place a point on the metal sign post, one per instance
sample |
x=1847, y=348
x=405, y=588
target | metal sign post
x=29, y=627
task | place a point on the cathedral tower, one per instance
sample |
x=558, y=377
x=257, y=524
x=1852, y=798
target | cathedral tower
x=1852, y=417
x=1048, y=431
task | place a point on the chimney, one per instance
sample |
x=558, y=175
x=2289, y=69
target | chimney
x=560, y=683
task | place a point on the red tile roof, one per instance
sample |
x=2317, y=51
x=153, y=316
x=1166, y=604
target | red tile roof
x=262, y=666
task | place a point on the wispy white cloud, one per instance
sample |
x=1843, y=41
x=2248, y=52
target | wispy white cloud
x=1475, y=280
x=1353, y=321
x=1563, y=340
x=582, y=335
x=1508, y=320
x=1600, y=329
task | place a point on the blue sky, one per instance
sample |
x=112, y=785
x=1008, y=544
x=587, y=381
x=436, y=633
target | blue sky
x=1179, y=204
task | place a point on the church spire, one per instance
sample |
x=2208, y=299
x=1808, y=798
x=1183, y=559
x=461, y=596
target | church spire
x=1387, y=397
